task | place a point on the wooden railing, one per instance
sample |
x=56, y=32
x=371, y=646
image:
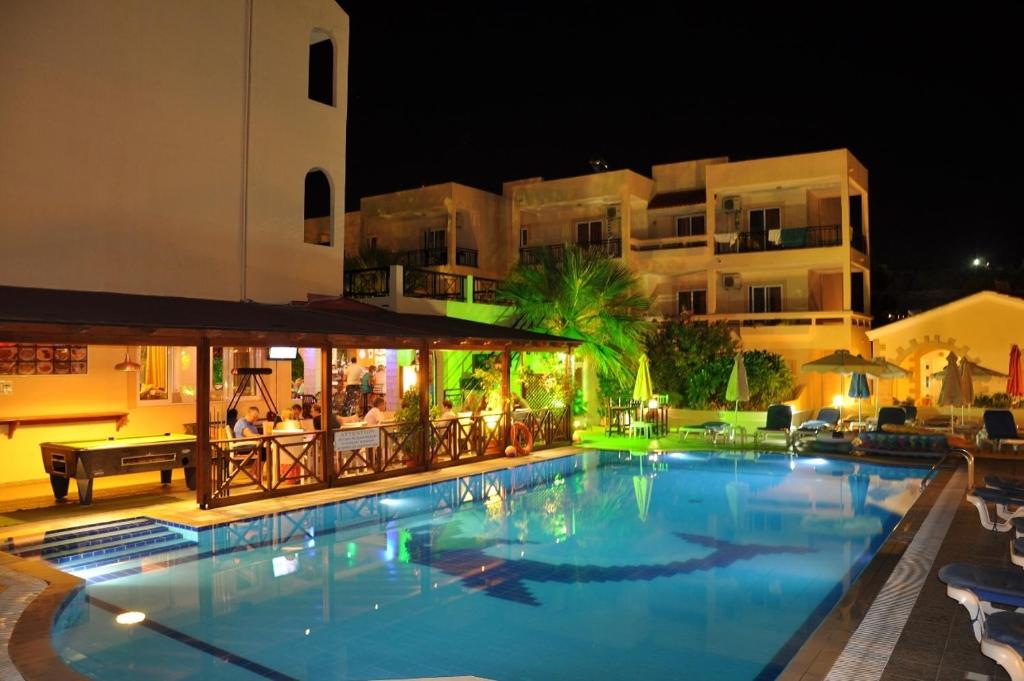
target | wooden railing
x=249, y=468
x=467, y=438
x=399, y=451
x=549, y=427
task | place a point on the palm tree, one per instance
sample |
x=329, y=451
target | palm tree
x=370, y=257
x=585, y=295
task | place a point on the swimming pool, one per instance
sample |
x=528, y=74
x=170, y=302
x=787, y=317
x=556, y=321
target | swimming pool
x=603, y=565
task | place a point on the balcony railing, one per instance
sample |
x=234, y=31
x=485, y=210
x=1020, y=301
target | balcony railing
x=424, y=257
x=436, y=285
x=779, y=240
x=611, y=248
x=466, y=257
x=369, y=283
x=485, y=290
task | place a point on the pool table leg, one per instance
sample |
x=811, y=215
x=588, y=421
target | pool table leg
x=60, y=486
x=190, y=478
x=84, y=490
x=165, y=476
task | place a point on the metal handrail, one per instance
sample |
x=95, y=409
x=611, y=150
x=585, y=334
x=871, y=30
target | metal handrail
x=970, y=463
x=610, y=247
x=373, y=282
x=814, y=236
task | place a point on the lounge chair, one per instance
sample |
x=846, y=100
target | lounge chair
x=711, y=430
x=1003, y=500
x=977, y=588
x=911, y=412
x=1000, y=429
x=826, y=419
x=1003, y=641
x=894, y=416
x=779, y=421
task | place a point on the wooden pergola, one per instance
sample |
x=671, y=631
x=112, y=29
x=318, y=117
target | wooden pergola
x=29, y=315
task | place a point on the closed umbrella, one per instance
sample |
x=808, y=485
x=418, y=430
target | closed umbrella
x=966, y=385
x=642, y=388
x=952, y=392
x=859, y=390
x=977, y=372
x=1015, y=381
x=737, y=391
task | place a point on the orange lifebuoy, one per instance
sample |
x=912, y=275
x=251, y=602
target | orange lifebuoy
x=514, y=436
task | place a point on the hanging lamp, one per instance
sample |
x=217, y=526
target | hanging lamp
x=127, y=364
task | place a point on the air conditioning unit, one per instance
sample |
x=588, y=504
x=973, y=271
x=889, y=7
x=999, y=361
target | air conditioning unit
x=612, y=213
x=731, y=204
x=731, y=282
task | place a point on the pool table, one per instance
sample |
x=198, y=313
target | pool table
x=85, y=460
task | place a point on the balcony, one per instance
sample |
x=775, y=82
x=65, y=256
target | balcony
x=611, y=248
x=466, y=257
x=434, y=285
x=789, y=238
x=369, y=283
x=424, y=257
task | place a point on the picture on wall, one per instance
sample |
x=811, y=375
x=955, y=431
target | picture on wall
x=42, y=360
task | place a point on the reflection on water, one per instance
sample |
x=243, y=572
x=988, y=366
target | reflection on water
x=598, y=566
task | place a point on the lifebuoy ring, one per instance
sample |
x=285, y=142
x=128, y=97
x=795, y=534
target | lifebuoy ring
x=517, y=432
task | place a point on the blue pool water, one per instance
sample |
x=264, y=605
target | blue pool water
x=597, y=566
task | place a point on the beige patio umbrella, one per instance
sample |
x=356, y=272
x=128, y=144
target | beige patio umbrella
x=842, y=362
x=891, y=371
x=737, y=389
x=952, y=392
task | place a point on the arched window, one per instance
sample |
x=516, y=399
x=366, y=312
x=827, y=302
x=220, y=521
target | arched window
x=317, y=211
x=321, y=68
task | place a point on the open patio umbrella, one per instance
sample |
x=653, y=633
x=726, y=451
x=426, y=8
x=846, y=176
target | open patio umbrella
x=952, y=392
x=1015, y=381
x=737, y=391
x=966, y=386
x=977, y=371
x=887, y=369
x=642, y=388
x=859, y=390
x=842, y=362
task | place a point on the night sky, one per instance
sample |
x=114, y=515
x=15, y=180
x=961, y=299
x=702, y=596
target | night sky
x=485, y=92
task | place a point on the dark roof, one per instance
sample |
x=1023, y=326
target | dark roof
x=685, y=197
x=25, y=309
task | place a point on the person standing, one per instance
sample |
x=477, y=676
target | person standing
x=353, y=381
x=366, y=387
x=380, y=381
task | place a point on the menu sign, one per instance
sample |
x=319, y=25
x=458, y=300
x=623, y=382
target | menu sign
x=356, y=438
x=17, y=359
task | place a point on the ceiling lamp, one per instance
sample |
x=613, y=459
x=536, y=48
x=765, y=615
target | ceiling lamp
x=127, y=364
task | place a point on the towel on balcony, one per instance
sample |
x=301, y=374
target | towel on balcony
x=729, y=238
x=775, y=236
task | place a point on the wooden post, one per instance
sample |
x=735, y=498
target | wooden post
x=506, y=391
x=570, y=393
x=203, y=463
x=423, y=384
x=326, y=471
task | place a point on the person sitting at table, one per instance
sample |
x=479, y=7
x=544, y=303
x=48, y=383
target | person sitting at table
x=248, y=425
x=296, y=414
x=449, y=411
x=376, y=413
x=314, y=413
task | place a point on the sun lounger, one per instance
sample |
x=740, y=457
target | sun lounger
x=779, y=421
x=1014, y=487
x=1001, y=429
x=982, y=496
x=1003, y=641
x=980, y=589
x=710, y=430
x=891, y=416
x=827, y=418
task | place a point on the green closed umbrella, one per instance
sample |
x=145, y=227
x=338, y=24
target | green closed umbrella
x=737, y=390
x=642, y=389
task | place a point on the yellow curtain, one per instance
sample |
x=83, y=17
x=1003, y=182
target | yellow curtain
x=155, y=369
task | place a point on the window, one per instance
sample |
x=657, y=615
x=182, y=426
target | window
x=371, y=243
x=590, y=232
x=224, y=361
x=690, y=225
x=693, y=302
x=524, y=237
x=766, y=298
x=321, y=68
x=317, y=209
x=435, y=239
x=168, y=374
x=763, y=219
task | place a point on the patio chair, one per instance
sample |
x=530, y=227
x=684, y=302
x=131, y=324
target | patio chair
x=891, y=416
x=1003, y=500
x=1001, y=428
x=1003, y=641
x=779, y=421
x=977, y=587
x=826, y=419
x=911, y=412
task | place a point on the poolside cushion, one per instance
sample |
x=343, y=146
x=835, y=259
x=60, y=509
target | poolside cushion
x=998, y=496
x=910, y=443
x=1006, y=628
x=993, y=585
x=1005, y=484
x=1017, y=524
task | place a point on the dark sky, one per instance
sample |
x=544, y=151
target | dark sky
x=484, y=92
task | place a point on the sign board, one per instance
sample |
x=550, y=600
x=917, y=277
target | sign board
x=356, y=438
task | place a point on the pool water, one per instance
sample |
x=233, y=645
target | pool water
x=603, y=565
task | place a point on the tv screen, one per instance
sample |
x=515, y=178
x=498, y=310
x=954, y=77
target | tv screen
x=283, y=353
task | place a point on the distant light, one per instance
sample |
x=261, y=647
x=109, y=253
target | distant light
x=837, y=401
x=391, y=502
x=976, y=262
x=130, y=617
